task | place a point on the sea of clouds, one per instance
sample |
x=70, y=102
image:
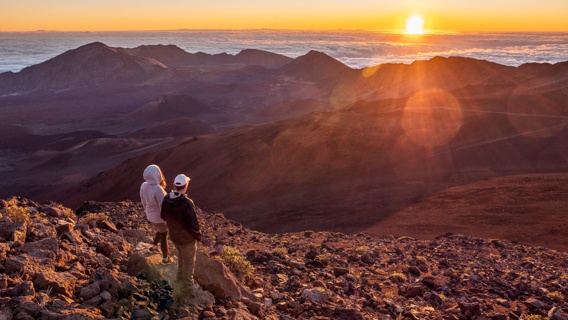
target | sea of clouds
x=356, y=49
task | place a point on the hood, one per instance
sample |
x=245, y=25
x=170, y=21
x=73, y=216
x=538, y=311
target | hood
x=153, y=174
x=174, y=199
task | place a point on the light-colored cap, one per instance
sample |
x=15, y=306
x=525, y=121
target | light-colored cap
x=181, y=180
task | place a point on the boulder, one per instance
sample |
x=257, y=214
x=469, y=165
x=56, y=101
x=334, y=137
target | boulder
x=556, y=314
x=317, y=294
x=13, y=231
x=210, y=273
x=59, y=282
x=216, y=278
x=41, y=249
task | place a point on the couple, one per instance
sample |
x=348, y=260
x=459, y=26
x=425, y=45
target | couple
x=176, y=213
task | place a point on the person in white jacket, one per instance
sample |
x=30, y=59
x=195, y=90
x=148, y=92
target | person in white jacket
x=152, y=194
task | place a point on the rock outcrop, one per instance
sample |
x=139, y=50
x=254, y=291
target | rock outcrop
x=94, y=263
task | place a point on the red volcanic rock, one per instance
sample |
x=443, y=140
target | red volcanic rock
x=459, y=276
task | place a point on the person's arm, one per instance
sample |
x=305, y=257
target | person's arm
x=142, y=200
x=162, y=213
x=192, y=222
x=159, y=195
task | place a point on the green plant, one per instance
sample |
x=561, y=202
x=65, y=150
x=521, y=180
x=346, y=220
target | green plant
x=66, y=212
x=556, y=295
x=399, y=276
x=93, y=218
x=232, y=258
x=125, y=204
x=532, y=317
x=362, y=249
x=323, y=259
x=280, y=251
x=16, y=213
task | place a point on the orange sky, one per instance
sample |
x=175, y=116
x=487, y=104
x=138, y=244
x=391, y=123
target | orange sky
x=442, y=15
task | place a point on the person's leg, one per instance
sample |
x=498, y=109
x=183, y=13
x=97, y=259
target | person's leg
x=164, y=244
x=156, y=239
x=189, y=253
x=179, y=274
x=162, y=237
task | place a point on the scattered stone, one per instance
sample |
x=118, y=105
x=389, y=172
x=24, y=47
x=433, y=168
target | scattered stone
x=96, y=264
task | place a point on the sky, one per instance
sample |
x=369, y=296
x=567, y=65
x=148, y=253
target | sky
x=438, y=15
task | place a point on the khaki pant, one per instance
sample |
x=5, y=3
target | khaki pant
x=186, y=265
x=160, y=227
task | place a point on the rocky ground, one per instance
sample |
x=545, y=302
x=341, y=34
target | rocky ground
x=60, y=264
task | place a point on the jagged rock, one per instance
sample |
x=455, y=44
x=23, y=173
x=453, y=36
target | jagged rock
x=59, y=282
x=26, y=288
x=108, y=225
x=41, y=249
x=13, y=231
x=535, y=305
x=556, y=314
x=451, y=277
x=340, y=271
x=414, y=290
x=53, y=211
x=90, y=291
x=200, y=297
x=22, y=264
x=318, y=294
x=6, y=314
x=107, y=308
x=240, y=314
x=39, y=231
x=470, y=309
x=216, y=278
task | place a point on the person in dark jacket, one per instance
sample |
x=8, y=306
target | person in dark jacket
x=180, y=215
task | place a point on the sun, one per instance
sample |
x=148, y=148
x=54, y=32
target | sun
x=414, y=25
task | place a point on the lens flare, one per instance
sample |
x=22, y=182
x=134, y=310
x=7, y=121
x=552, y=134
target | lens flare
x=432, y=118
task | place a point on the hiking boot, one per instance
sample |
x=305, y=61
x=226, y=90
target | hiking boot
x=167, y=260
x=154, y=249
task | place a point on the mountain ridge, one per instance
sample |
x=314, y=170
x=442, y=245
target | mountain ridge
x=310, y=144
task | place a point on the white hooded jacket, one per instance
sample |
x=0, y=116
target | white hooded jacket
x=152, y=194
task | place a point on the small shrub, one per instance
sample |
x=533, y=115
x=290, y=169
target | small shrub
x=421, y=259
x=532, y=317
x=379, y=271
x=556, y=296
x=399, y=276
x=239, y=265
x=66, y=212
x=280, y=251
x=124, y=204
x=93, y=218
x=16, y=213
x=220, y=215
x=323, y=259
x=389, y=295
x=429, y=309
x=362, y=249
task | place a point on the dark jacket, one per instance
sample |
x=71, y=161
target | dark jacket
x=179, y=213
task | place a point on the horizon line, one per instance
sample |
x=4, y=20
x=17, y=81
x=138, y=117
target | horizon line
x=392, y=31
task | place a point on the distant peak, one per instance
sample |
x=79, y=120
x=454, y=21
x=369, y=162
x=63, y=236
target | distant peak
x=96, y=44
